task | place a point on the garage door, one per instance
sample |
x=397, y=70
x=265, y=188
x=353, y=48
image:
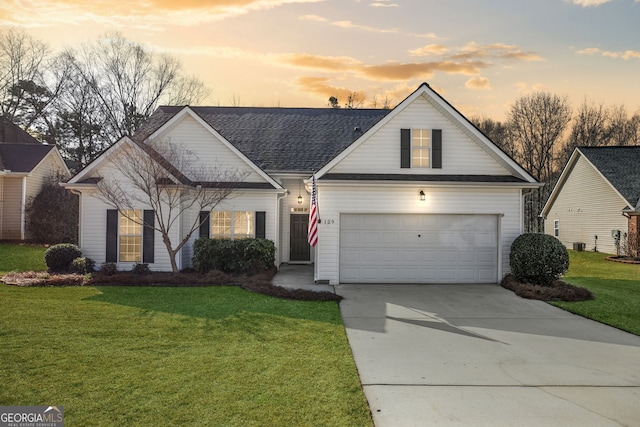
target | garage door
x=383, y=248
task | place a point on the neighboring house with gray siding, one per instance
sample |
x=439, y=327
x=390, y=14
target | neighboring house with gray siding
x=416, y=194
x=25, y=165
x=598, y=192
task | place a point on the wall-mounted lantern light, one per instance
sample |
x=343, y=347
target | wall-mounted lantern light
x=299, y=194
x=299, y=200
x=422, y=196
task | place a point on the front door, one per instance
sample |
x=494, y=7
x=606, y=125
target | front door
x=300, y=249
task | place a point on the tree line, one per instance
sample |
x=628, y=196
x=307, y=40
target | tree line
x=84, y=98
x=541, y=132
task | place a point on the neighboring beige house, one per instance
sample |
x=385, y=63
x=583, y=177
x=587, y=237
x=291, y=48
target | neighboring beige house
x=25, y=164
x=416, y=194
x=597, y=194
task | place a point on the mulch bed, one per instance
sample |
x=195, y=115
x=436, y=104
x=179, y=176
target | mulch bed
x=260, y=283
x=556, y=291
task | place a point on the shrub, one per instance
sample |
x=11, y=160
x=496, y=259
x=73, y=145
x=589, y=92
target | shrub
x=141, y=269
x=45, y=227
x=538, y=259
x=108, y=268
x=233, y=256
x=59, y=257
x=82, y=265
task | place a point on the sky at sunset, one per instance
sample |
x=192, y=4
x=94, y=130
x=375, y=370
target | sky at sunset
x=480, y=55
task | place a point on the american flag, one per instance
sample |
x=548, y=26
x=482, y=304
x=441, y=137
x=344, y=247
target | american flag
x=312, y=233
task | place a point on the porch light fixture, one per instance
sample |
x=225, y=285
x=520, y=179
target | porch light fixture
x=299, y=195
x=422, y=196
x=299, y=200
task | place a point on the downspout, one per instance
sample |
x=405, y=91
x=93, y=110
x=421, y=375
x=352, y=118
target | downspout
x=279, y=198
x=23, y=208
x=79, y=194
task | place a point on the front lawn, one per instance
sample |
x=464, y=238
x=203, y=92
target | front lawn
x=616, y=288
x=15, y=257
x=177, y=356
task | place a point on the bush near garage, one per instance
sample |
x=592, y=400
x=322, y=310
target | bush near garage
x=242, y=256
x=539, y=259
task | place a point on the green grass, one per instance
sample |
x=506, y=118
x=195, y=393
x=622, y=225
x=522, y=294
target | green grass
x=15, y=257
x=616, y=288
x=140, y=356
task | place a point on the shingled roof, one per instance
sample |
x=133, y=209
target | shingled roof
x=22, y=157
x=279, y=139
x=620, y=165
x=12, y=133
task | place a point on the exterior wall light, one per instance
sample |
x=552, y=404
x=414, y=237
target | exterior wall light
x=299, y=200
x=422, y=196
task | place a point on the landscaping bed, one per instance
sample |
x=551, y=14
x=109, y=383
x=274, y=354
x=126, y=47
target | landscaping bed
x=260, y=283
x=555, y=291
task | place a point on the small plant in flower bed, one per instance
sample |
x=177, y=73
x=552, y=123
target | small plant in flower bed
x=554, y=291
x=141, y=269
x=108, y=269
x=82, y=265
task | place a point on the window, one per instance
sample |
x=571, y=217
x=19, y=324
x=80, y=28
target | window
x=556, y=228
x=420, y=148
x=232, y=224
x=130, y=236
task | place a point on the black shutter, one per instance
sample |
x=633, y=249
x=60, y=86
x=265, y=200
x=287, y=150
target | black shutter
x=112, y=235
x=405, y=148
x=147, y=237
x=436, y=148
x=205, y=223
x=260, y=225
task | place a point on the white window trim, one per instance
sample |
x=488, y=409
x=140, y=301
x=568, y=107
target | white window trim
x=121, y=215
x=413, y=147
x=556, y=228
x=233, y=233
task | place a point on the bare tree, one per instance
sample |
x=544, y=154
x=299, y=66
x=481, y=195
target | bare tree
x=25, y=92
x=130, y=82
x=623, y=130
x=590, y=128
x=170, y=180
x=354, y=100
x=537, y=122
x=497, y=132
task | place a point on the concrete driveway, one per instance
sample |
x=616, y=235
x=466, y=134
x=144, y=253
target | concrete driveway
x=478, y=355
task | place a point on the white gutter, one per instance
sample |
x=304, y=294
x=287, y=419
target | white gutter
x=23, y=208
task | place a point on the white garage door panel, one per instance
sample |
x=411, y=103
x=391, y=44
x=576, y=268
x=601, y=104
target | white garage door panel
x=383, y=248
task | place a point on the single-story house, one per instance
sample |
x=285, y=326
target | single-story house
x=25, y=165
x=416, y=194
x=596, y=198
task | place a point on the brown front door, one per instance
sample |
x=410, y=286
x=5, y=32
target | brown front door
x=299, y=247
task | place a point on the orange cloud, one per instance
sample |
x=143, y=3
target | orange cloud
x=424, y=70
x=474, y=50
x=626, y=55
x=320, y=86
x=431, y=49
x=478, y=83
x=150, y=14
x=327, y=63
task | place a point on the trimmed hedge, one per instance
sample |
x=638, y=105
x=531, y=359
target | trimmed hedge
x=233, y=256
x=538, y=259
x=59, y=257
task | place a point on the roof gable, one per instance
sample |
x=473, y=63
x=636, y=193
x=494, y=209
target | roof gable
x=279, y=139
x=22, y=158
x=619, y=166
x=465, y=149
x=12, y=133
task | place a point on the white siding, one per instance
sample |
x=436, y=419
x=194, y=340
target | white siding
x=587, y=206
x=334, y=201
x=48, y=168
x=252, y=201
x=211, y=151
x=381, y=152
x=93, y=241
x=11, y=208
